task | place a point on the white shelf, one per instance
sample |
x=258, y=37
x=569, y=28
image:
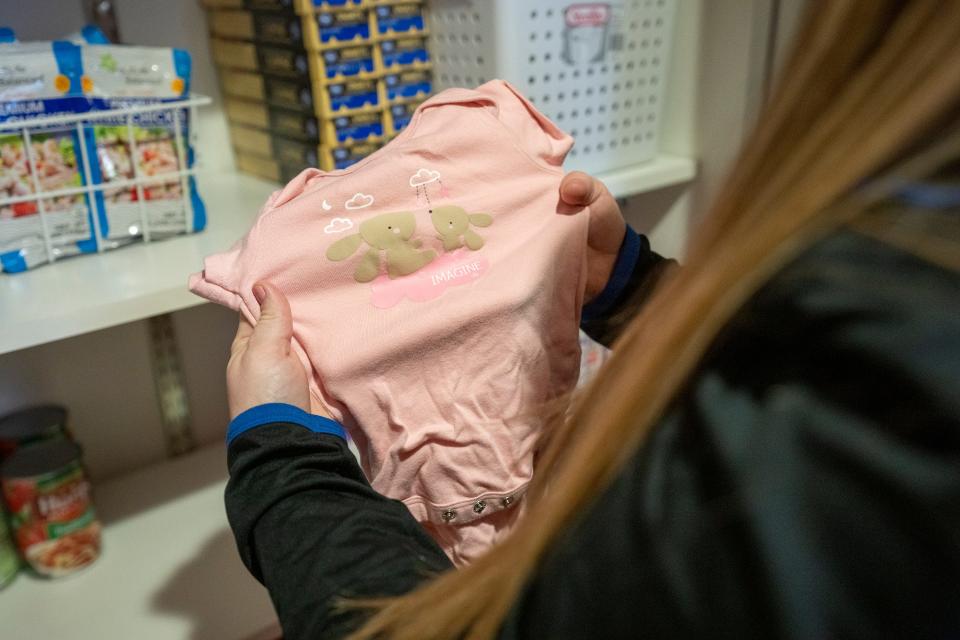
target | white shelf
x=663, y=171
x=169, y=567
x=87, y=293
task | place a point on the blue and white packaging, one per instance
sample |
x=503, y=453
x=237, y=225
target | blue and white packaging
x=123, y=76
x=89, y=34
x=92, y=34
x=38, y=80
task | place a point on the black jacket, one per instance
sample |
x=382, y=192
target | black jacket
x=806, y=484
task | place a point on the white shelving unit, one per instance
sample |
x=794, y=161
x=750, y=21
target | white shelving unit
x=87, y=293
x=169, y=567
x=665, y=170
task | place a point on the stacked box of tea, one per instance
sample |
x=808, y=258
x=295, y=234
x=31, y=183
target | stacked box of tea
x=317, y=83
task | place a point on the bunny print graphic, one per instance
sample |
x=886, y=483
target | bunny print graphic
x=387, y=234
x=453, y=224
x=398, y=263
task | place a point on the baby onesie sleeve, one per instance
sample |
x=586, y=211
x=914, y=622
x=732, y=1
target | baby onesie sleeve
x=534, y=133
x=218, y=282
x=224, y=274
x=228, y=277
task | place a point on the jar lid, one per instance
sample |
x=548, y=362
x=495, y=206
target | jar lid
x=32, y=422
x=41, y=458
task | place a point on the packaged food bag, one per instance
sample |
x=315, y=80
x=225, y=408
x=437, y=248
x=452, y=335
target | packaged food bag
x=123, y=76
x=92, y=34
x=38, y=80
x=89, y=34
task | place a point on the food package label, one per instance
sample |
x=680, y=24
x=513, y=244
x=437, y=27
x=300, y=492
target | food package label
x=343, y=26
x=150, y=149
x=294, y=124
x=347, y=61
x=356, y=127
x=354, y=94
x=400, y=18
x=121, y=77
x=404, y=51
x=136, y=72
x=288, y=93
x=41, y=80
x=408, y=84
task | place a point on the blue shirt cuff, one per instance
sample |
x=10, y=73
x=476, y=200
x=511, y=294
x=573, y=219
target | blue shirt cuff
x=279, y=412
x=619, y=278
x=930, y=196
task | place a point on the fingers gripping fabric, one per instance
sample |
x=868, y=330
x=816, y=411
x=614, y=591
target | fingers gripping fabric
x=436, y=291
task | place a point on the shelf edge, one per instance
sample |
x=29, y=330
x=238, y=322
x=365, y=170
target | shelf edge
x=663, y=171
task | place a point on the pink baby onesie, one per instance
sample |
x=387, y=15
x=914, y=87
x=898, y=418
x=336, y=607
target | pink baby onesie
x=436, y=289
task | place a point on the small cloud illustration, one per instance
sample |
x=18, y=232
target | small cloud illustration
x=338, y=225
x=424, y=176
x=359, y=201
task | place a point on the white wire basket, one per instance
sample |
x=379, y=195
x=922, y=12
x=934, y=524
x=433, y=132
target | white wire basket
x=140, y=186
x=598, y=69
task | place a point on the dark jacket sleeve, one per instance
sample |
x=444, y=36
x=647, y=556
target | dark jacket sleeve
x=635, y=274
x=312, y=530
x=805, y=485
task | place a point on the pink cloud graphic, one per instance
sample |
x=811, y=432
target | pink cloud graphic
x=424, y=176
x=449, y=270
x=338, y=225
x=359, y=201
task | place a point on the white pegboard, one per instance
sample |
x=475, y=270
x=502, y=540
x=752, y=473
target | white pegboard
x=598, y=70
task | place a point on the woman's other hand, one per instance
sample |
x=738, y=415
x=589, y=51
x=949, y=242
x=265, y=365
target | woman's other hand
x=607, y=226
x=263, y=368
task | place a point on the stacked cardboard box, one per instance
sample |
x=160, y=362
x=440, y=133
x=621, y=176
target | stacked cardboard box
x=317, y=83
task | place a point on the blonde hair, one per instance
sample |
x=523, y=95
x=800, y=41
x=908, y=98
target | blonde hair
x=867, y=81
